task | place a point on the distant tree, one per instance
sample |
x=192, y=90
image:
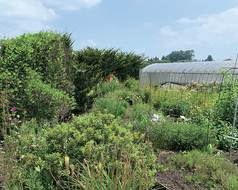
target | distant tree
x=209, y=58
x=175, y=56
x=153, y=60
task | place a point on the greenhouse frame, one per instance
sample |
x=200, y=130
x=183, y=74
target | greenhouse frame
x=184, y=73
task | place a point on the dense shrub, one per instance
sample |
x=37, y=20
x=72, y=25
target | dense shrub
x=77, y=141
x=181, y=136
x=168, y=135
x=46, y=54
x=111, y=104
x=94, y=64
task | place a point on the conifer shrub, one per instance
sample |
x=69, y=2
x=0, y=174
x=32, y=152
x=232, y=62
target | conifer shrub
x=93, y=64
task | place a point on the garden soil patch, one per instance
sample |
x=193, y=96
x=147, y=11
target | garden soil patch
x=173, y=179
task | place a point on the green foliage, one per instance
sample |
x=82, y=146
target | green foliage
x=140, y=117
x=211, y=171
x=125, y=174
x=42, y=58
x=173, y=136
x=93, y=64
x=26, y=151
x=110, y=103
x=132, y=84
x=209, y=58
x=225, y=105
x=183, y=136
x=175, y=56
x=44, y=102
x=95, y=132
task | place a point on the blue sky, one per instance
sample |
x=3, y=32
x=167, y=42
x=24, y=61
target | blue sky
x=152, y=27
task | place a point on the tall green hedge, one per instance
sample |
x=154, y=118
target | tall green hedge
x=93, y=65
x=31, y=66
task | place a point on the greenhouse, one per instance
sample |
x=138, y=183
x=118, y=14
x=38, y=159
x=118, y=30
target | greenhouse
x=185, y=73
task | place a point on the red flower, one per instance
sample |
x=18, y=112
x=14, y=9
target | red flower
x=110, y=79
x=106, y=79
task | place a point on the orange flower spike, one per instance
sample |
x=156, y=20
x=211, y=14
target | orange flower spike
x=110, y=80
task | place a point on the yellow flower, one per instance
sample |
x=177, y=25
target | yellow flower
x=99, y=165
x=67, y=164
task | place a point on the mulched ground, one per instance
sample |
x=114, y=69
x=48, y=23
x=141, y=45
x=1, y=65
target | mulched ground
x=171, y=179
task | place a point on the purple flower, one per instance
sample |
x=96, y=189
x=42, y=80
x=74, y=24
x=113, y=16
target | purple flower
x=15, y=158
x=36, y=137
x=14, y=109
x=15, y=119
x=9, y=121
x=39, y=144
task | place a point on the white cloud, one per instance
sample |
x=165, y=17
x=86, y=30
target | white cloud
x=19, y=16
x=25, y=9
x=72, y=4
x=167, y=31
x=90, y=43
x=210, y=29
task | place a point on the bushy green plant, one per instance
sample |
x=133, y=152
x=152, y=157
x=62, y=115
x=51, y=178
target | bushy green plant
x=141, y=117
x=93, y=173
x=180, y=136
x=77, y=140
x=105, y=85
x=93, y=64
x=110, y=103
x=43, y=58
x=25, y=164
x=132, y=84
x=225, y=106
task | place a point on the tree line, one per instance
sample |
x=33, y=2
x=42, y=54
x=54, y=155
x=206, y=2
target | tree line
x=177, y=56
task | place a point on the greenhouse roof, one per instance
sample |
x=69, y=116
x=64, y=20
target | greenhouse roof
x=185, y=73
x=190, y=67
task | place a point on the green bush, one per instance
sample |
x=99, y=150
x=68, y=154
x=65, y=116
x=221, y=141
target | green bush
x=182, y=136
x=111, y=104
x=125, y=173
x=79, y=139
x=46, y=54
x=141, y=116
x=92, y=65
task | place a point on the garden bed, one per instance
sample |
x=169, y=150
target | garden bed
x=171, y=179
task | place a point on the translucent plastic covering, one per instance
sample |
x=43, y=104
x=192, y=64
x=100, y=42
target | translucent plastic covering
x=185, y=73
